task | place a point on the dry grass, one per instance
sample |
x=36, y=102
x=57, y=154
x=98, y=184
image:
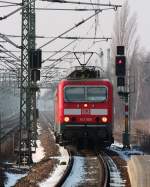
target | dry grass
x=41, y=170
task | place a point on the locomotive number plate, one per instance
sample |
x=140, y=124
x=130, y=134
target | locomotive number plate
x=85, y=111
x=85, y=119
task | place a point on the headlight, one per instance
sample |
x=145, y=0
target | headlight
x=104, y=119
x=66, y=119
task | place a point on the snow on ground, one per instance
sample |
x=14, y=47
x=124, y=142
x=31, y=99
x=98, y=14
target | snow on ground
x=38, y=128
x=59, y=170
x=39, y=154
x=13, y=178
x=76, y=176
x=125, y=153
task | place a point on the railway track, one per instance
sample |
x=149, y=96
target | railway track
x=100, y=172
x=115, y=178
x=105, y=170
x=106, y=174
x=8, y=132
x=67, y=171
x=9, y=126
x=94, y=166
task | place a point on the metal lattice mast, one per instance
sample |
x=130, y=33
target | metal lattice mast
x=33, y=90
x=27, y=42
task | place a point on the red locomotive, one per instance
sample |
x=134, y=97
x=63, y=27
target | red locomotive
x=84, y=109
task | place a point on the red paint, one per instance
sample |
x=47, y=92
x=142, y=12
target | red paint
x=85, y=116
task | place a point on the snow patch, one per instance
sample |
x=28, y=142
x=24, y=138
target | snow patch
x=13, y=178
x=125, y=154
x=39, y=128
x=59, y=170
x=77, y=174
x=39, y=154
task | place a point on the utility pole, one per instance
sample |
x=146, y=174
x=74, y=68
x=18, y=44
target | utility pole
x=33, y=85
x=126, y=134
x=126, y=96
x=0, y=132
x=27, y=43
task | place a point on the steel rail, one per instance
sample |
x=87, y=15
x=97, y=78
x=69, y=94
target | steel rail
x=67, y=171
x=106, y=176
x=2, y=139
x=8, y=130
x=105, y=179
x=113, y=171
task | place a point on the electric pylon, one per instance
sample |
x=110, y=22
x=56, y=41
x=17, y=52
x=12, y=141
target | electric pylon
x=27, y=43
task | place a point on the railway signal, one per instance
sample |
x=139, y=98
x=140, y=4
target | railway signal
x=35, y=58
x=121, y=81
x=120, y=50
x=122, y=84
x=35, y=75
x=120, y=65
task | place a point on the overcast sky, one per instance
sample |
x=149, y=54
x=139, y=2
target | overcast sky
x=142, y=8
x=53, y=23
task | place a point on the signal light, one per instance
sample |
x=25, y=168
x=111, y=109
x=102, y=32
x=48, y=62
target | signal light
x=35, y=75
x=120, y=65
x=120, y=81
x=35, y=58
x=120, y=50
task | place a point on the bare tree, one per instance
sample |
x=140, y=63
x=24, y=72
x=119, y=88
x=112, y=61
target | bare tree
x=124, y=33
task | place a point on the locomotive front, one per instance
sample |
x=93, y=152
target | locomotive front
x=84, y=110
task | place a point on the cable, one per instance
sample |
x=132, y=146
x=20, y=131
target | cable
x=6, y=62
x=59, y=51
x=11, y=54
x=77, y=25
x=4, y=37
x=82, y=3
x=56, y=63
x=15, y=11
x=60, y=59
x=5, y=6
x=69, y=9
x=8, y=2
x=65, y=37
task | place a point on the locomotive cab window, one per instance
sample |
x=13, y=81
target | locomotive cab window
x=85, y=94
x=96, y=94
x=74, y=94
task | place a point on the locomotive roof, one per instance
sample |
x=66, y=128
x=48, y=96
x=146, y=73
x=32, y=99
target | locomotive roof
x=86, y=72
x=87, y=79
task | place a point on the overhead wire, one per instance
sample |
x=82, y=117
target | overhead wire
x=82, y=3
x=56, y=62
x=72, y=28
x=69, y=9
x=60, y=59
x=8, y=2
x=59, y=50
x=9, y=53
x=5, y=6
x=97, y=11
x=17, y=10
x=8, y=63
